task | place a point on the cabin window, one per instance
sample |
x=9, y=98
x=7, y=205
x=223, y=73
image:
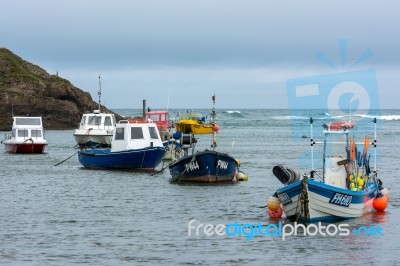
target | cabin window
x=155, y=117
x=28, y=121
x=136, y=133
x=107, y=121
x=119, y=133
x=36, y=133
x=22, y=133
x=94, y=120
x=153, y=133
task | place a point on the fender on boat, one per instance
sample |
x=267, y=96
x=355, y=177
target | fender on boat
x=286, y=175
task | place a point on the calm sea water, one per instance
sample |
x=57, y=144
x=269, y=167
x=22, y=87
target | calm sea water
x=65, y=214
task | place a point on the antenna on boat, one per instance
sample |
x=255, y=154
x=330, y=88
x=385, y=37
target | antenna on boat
x=214, y=141
x=99, y=93
x=312, y=147
x=375, y=145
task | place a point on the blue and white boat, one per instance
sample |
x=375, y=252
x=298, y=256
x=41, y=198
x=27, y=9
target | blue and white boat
x=205, y=166
x=135, y=145
x=344, y=188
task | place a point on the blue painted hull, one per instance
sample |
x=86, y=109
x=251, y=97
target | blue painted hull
x=144, y=159
x=326, y=203
x=205, y=166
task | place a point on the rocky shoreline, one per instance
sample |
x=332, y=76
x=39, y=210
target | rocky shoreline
x=27, y=89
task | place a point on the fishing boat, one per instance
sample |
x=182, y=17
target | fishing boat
x=205, y=166
x=194, y=123
x=135, y=145
x=164, y=126
x=95, y=129
x=26, y=136
x=344, y=188
x=161, y=119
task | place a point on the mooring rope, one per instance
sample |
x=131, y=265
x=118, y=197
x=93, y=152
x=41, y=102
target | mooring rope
x=302, y=207
x=184, y=171
x=66, y=159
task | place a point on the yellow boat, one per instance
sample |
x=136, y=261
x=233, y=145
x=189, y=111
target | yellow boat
x=193, y=123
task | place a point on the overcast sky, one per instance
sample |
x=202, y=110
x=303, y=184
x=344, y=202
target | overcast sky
x=177, y=53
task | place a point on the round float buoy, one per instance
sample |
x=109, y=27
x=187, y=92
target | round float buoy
x=380, y=202
x=273, y=203
x=177, y=135
x=215, y=127
x=240, y=176
x=275, y=214
x=385, y=192
x=361, y=182
x=237, y=161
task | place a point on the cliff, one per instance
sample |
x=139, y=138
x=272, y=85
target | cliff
x=27, y=89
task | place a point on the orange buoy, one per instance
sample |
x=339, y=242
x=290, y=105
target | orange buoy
x=273, y=203
x=275, y=214
x=215, y=127
x=380, y=202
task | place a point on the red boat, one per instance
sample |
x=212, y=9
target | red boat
x=26, y=136
x=160, y=118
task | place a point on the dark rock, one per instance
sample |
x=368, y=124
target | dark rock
x=27, y=89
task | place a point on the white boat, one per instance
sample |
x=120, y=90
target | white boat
x=344, y=188
x=26, y=136
x=95, y=130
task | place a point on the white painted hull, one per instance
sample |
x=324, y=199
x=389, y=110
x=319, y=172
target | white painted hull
x=322, y=205
x=100, y=137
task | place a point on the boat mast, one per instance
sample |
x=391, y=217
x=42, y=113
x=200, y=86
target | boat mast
x=99, y=94
x=375, y=145
x=214, y=141
x=312, y=148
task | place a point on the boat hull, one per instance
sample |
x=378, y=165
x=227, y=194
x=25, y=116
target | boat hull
x=140, y=159
x=198, y=129
x=325, y=202
x=206, y=166
x=25, y=148
x=103, y=140
x=202, y=129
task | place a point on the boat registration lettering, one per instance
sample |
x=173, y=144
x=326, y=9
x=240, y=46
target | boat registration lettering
x=285, y=199
x=192, y=166
x=222, y=165
x=341, y=199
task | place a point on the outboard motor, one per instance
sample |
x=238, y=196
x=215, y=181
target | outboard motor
x=287, y=176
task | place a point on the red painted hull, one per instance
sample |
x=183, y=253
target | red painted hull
x=25, y=148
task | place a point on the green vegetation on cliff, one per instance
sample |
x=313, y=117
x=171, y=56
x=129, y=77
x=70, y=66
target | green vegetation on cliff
x=27, y=89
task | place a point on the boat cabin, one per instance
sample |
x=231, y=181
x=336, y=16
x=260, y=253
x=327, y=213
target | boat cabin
x=27, y=128
x=138, y=135
x=97, y=120
x=160, y=118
